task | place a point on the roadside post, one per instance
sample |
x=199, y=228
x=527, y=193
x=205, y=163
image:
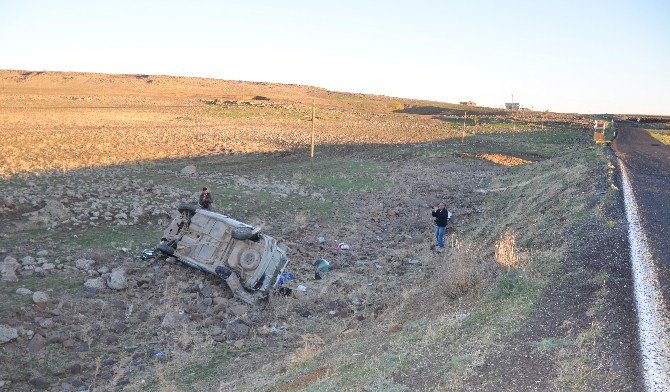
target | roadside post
x=313, y=117
x=465, y=116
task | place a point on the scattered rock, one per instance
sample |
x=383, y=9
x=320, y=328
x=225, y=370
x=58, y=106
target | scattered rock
x=137, y=212
x=10, y=259
x=54, y=210
x=8, y=269
x=69, y=343
x=56, y=339
x=43, y=253
x=238, y=310
x=75, y=368
x=237, y=330
x=23, y=291
x=84, y=264
x=39, y=383
x=46, y=322
x=215, y=331
x=117, y=280
x=97, y=284
x=82, y=348
x=172, y=319
x=143, y=316
x=189, y=170
x=28, y=260
x=207, y=291
x=48, y=266
x=119, y=327
x=37, y=343
x=7, y=333
x=239, y=343
x=40, y=297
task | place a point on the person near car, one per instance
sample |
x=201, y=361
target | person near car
x=441, y=216
x=205, y=200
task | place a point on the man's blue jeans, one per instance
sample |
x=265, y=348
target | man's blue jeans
x=439, y=234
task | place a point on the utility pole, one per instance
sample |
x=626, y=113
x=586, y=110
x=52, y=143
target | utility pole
x=313, y=117
x=465, y=116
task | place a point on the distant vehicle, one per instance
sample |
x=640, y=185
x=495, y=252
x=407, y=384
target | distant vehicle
x=249, y=261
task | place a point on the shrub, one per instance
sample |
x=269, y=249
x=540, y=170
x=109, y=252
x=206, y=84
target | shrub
x=512, y=284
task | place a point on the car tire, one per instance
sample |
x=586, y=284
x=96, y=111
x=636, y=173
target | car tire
x=165, y=249
x=187, y=208
x=242, y=233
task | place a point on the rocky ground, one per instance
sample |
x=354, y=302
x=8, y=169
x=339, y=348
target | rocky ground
x=80, y=311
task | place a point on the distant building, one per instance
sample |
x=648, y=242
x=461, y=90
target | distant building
x=512, y=106
x=468, y=103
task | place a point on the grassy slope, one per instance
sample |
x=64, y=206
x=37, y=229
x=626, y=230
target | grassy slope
x=663, y=137
x=439, y=333
x=436, y=332
x=444, y=346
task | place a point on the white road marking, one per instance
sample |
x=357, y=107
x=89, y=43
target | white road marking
x=653, y=323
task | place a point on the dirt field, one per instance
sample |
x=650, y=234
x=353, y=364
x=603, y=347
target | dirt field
x=92, y=171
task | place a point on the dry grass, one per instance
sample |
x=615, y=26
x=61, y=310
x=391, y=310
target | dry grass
x=303, y=381
x=120, y=370
x=663, y=137
x=56, y=121
x=506, y=252
x=501, y=159
x=463, y=272
x=311, y=344
x=64, y=121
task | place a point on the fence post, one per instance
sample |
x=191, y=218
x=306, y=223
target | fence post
x=313, y=117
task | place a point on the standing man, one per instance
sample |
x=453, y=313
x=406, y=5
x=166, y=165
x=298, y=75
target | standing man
x=441, y=216
x=205, y=200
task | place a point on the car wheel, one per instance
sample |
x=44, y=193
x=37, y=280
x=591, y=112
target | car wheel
x=187, y=208
x=242, y=233
x=165, y=249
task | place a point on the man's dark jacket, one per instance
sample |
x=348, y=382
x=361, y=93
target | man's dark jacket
x=441, y=217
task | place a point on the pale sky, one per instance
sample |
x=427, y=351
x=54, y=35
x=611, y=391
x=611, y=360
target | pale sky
x=569, y=56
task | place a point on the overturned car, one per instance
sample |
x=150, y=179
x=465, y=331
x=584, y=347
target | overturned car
x=248, y=260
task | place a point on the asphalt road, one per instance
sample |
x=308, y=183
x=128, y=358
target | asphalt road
x=648, y=164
